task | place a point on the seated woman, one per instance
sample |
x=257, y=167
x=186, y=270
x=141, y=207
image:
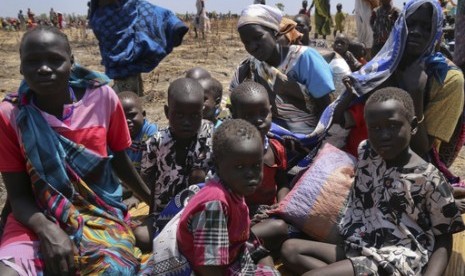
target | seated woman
x=409, y=61
x=297, y=78
x=67, y=213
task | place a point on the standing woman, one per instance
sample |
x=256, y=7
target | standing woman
x=297, y=78
x=323, y=20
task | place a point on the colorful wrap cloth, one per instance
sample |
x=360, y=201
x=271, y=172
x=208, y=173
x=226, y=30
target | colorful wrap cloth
x=76, y=188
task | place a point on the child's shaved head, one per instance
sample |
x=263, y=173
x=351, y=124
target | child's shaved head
x=232, y=131
x=246, y=90
x=179, y=88
x=198, y=73
x=396, y=94
x=212, y=85
x=130, y=96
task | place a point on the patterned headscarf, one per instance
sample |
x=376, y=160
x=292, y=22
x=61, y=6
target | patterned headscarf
x=263, y=15
x=376, y=71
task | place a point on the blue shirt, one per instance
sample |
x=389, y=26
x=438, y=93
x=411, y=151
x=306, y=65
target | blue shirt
x=138, y=145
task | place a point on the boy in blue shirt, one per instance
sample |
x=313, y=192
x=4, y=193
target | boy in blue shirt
x=140, y=129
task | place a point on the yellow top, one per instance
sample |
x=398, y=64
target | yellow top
x=445, y=106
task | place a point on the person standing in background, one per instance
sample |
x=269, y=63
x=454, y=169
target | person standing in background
x=382, y=20
x=202, y=22
x=304, y=9
x=323, y=20
x=363, y=10
x=22, y=20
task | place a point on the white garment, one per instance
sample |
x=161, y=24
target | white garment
x=204, y=22
x=362, y=19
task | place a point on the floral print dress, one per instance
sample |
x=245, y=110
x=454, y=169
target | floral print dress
x=159, y=167
x=393, y=215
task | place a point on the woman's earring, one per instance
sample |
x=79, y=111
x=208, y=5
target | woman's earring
x=414, y=131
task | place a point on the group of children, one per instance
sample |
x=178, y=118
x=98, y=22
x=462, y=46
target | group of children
x=399, y=218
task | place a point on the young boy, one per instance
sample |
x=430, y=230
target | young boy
x=341, y=46
x=213, y=92
x=340, y=19
x=198, y=73
x=250, y=102
x=400, y=214
x=177, y=156
x=140, y=130
x=215, y=226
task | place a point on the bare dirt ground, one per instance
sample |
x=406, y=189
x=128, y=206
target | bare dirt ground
x=219, y=53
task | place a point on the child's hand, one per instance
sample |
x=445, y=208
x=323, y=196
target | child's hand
x=57, y=250
x=197, y=176
x=131, y=202
x=263, y=212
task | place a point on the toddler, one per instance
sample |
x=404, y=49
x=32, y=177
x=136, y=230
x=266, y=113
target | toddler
x=214, y=226
x=213, y=92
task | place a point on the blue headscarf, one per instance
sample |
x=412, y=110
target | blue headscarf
x=380, y=68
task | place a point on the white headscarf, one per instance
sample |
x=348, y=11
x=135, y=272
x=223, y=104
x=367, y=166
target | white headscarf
x=263, y=15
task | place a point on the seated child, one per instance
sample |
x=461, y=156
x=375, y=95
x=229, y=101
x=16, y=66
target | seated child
x=400, y=214
x=197, y=73
x=177, y=156
x=215, y=226
x=213, y=92
x=250, y=102
x=358, y=49
x=341, y=46
x=140, y=130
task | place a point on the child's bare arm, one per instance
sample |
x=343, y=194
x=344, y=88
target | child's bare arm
x=283, y=185
x=55, y=245
x=440, y=256
x=124, y=169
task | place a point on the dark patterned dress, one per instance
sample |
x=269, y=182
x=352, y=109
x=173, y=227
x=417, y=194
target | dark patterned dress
x=393, y=215
x=159, y=167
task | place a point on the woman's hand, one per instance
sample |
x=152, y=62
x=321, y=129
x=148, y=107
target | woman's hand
x=131, y=202
x=57, y=250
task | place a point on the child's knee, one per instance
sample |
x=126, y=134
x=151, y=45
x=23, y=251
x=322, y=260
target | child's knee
x=289, y=252
x=280, y=227
x=143, y=236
